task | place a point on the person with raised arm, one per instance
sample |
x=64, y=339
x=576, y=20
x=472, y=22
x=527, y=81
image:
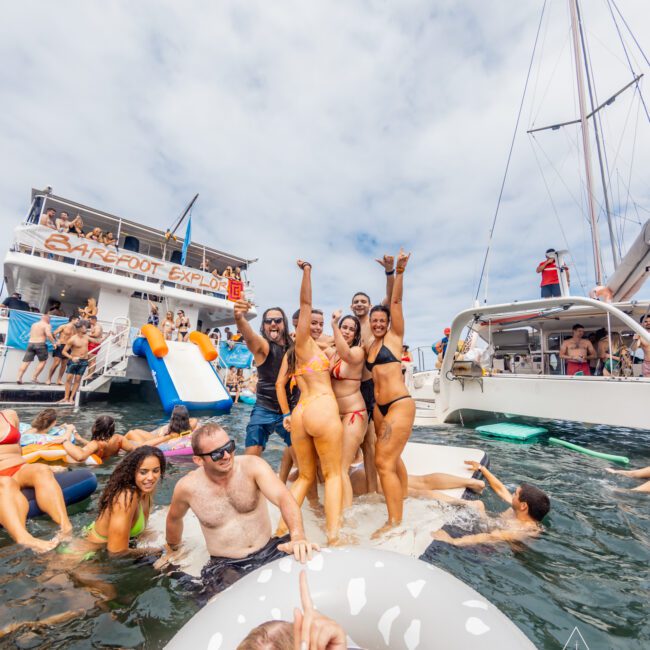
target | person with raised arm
x=315, y=424
x=268, y=349
x=394, y=408
x=360, y=306
x=346, y=361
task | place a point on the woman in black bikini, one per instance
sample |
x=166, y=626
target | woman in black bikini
x=346, y=368
x=183, y=326
x=394, y=409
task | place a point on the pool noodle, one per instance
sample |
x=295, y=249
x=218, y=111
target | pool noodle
x=616, y=459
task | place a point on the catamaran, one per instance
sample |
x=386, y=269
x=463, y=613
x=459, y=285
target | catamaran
x=509, y=360
x=144, y=268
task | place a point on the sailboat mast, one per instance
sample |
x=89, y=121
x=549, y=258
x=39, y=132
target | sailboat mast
x=603, y=177
x=586, y=147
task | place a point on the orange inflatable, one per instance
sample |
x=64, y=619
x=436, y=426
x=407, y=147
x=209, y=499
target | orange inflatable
x=204, y=344
x=155, y=339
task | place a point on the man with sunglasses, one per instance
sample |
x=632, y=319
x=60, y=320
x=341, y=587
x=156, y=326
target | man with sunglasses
x=228, y=494
x=268, y=348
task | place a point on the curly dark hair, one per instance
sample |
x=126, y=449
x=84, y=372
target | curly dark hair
x=285, y=336
x=103, y=428
x=44, y=420
x=357, y=332
x=179, y=421
x=122, y=480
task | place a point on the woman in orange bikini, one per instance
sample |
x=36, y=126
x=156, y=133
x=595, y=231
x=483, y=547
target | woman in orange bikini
x=394, y=409
x=346, y=361
x=15, y=474
x=315, y=425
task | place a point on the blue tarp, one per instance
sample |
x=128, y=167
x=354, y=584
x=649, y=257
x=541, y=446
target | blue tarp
x=19, y=324
x=239, y=357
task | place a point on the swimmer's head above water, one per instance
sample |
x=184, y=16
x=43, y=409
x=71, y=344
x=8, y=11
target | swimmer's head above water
x=532, y=501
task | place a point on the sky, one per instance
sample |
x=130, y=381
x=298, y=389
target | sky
x=331, y=131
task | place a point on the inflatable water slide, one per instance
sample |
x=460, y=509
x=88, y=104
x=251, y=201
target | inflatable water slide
x=182, y=371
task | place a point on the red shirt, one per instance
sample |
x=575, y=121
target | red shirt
x=549, y=274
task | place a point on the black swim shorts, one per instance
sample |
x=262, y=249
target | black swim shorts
x=38, y=350
x=368, y=394
x=221, y=572
x=57, y=353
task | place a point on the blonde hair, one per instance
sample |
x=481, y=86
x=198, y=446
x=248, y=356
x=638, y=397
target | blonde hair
x=272, y=635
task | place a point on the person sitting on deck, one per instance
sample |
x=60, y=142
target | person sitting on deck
x=529, y=505
x=577, y=352
x=550, y=284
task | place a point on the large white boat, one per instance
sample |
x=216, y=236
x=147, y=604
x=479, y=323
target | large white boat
x=509, y=360
x=143, y=268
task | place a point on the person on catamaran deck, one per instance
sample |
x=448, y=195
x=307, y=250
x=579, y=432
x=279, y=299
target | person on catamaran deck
x=39, y=333
x=268, y=349
x=550, y=284
x=528, y=506
x=228, y=494
x=62, y=334
x=76, y=352
x=638, y=343
x=577, y=352
x=634, y=473
x=16, y=474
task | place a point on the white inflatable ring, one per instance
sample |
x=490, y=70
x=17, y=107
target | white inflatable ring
x=383, y=600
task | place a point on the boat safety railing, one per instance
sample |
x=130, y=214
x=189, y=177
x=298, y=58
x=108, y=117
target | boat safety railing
x=112, y=350
x=131, y=264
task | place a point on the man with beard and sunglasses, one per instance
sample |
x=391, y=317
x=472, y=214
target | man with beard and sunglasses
x=228, y=494
x=268, y=350
x=361, y=306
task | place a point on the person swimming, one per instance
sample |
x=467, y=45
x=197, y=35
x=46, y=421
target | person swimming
x=528, y=506
x=642, y=473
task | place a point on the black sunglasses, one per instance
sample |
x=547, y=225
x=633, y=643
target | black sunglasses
x=273, y=321
x=218, y=453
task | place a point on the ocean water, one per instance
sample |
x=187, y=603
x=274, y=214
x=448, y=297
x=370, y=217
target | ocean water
x=588, y=570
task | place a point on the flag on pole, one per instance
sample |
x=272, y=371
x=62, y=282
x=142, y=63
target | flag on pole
x=186, y=241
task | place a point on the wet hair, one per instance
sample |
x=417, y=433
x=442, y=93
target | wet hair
x=206, y=430
x=44, y=420
x=179, y=420
x=361, y=293
x=381, y=308
x=577, y=326
x=122, y=480
x=103, y=428
x=357, y=331
x=537, y=500
x=284, y=322
x=272, y=635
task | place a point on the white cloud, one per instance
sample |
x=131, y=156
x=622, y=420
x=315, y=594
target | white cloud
x=315, y=130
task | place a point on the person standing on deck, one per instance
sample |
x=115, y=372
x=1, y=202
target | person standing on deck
x=268, y=348
x=76, y=351
x=361, y=306
x=577, y=352
x=550, y=284
x=39, y=333
x=62, y=334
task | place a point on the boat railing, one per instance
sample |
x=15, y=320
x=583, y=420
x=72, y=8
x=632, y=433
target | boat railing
x=40, y=241
x=113, y=349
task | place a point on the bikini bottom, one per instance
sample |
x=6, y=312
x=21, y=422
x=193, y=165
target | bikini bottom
x=306, y=401
x=384, y=408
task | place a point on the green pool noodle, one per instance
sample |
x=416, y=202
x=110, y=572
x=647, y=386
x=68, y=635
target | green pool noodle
x=583, y=450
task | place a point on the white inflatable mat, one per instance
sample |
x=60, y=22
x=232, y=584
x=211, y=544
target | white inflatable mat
x=367, y=514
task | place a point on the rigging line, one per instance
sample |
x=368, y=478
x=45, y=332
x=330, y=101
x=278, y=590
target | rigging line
x=512, y=145
x=630, y=31
x=557, y=216
x=629, y=62
x=537, y=72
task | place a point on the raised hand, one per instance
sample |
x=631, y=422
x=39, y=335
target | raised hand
x=302, y=264
x=387, y=261
x=241, y=308
x=336, y=317
x=402, y=260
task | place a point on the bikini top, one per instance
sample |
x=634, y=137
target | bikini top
x=383, y=357
x=138, y=526
x=13, y=435
x=318, y=363
x=336, y=372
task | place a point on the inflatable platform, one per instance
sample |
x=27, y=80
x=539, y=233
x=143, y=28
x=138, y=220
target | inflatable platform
x=382, y=600
x=182, y=371
x=76, y=485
